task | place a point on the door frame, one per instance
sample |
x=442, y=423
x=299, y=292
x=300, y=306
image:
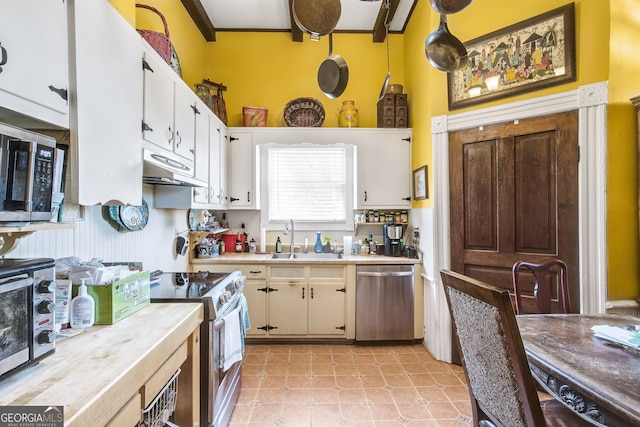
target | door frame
x=591, y=103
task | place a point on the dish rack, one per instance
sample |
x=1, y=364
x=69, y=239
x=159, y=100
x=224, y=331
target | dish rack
x=163, y=405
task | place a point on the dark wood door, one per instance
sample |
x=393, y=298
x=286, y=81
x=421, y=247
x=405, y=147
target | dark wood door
x=514, y=197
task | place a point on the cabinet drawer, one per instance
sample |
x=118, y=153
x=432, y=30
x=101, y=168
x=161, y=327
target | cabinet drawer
x=129, y=414
x=163, y=375
x=253, y=271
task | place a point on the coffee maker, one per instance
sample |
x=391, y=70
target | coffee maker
x=392, y=239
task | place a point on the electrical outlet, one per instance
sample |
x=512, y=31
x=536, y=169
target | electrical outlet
x=416, y=236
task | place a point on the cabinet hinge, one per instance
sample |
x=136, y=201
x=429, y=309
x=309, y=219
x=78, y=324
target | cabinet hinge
x=408, y=199
x=263, y=289
x=343, y=327
x=146, y=127
x=341, y=290
x=233, y=138
x=267, y=327
x=146, y=66
x=408, y=139
x=62, y=93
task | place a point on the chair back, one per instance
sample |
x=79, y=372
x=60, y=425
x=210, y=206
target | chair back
x=500, y=384
x=550, y=285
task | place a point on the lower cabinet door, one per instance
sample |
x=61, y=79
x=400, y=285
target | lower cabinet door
x=288, y=308
x=326, y=310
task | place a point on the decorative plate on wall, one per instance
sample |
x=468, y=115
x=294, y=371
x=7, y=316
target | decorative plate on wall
x=304, y=112
x=129, y=217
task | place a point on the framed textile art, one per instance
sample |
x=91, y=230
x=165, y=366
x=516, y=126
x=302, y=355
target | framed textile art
x=533, y=54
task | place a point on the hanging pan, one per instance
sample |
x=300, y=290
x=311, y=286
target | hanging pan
x=333, y=74
x=444, y=51
x=449, y=6
x=316, y=17
x=385, y=84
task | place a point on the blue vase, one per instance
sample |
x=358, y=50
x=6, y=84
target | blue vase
x=318, y=246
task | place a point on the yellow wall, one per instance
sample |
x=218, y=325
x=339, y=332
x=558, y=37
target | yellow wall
x=269, y=70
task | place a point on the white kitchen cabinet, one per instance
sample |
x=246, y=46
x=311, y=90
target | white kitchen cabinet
x=106, y=105
x=34, y=77
x=210, y=165
x=169, y=109
x=219, y=144
x=384, y=169
x=242, y=169
x=307, y=300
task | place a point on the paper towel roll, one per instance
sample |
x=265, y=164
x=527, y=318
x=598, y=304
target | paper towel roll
x=263, y=239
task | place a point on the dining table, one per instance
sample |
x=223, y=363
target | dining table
x=597, y=379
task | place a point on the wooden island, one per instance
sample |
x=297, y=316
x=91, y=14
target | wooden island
x=108, y=374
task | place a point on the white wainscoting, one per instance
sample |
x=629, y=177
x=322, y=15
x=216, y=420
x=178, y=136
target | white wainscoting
x=96, y=238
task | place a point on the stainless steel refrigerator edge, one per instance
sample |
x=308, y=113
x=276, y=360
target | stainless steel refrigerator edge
x=384, y=302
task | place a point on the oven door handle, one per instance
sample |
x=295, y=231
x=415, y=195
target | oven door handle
x=15, y=282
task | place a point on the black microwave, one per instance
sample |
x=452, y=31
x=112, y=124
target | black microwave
x=27, y=171
x=27, y=312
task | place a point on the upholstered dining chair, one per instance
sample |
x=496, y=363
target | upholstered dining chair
x=501, y=387
x=543, y=289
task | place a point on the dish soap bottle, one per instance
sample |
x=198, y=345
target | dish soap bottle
x=318, y=246
x=83, y=308
x=278, y=245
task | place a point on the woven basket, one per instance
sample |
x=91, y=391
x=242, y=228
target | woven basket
x=161, y=43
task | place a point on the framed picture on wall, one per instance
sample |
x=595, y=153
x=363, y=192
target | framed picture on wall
x=530, y=55
x=420, y=185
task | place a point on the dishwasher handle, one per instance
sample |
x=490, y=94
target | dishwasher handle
x=385, y=273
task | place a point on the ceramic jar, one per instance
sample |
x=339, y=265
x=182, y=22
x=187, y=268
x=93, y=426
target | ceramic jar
x=348, y=115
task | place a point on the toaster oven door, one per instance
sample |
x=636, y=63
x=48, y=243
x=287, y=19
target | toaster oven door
x=15, y=324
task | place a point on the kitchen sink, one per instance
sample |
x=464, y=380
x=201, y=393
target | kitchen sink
x=302, y=255
x=281, y=255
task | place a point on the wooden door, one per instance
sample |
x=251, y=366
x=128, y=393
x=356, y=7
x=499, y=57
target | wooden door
x=514, y=196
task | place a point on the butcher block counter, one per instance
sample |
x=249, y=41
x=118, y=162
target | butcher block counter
x=107, y=375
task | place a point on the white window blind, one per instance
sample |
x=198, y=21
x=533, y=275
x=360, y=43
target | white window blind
x=307, y=183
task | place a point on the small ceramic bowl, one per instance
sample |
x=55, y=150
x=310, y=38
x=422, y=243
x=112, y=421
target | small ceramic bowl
x=394, y=88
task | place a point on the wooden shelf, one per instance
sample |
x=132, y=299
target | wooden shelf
x=10, y=235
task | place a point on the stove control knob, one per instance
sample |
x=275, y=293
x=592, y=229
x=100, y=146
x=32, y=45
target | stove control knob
x=46, y=337
x=46, y=286
x=46, y=307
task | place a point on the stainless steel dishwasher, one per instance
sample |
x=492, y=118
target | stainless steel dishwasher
x=384, y=302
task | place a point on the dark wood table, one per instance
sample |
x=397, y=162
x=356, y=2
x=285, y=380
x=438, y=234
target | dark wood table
x=595, y=379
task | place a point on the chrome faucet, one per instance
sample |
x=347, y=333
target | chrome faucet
x=286, y=231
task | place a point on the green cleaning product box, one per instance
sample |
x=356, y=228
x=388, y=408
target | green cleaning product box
x=117, y=300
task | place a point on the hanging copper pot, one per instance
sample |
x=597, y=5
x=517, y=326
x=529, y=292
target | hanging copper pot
x=316, y=17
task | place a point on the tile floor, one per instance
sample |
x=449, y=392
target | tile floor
x=349, y=385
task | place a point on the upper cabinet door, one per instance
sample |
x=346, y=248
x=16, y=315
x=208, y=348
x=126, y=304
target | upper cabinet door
x=185, y=112
x=158, y=102
x=384, y=169
x=34, y=60
x=241, y=171
x=106, y=106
